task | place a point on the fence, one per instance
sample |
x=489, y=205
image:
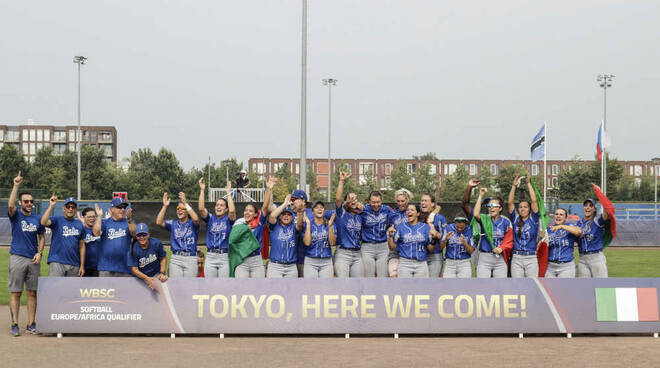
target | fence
x=238, y=195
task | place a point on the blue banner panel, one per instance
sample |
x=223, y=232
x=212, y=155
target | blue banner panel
x=317, y=306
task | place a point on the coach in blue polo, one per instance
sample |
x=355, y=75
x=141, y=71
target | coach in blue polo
x=115, y=232
x=67, y=245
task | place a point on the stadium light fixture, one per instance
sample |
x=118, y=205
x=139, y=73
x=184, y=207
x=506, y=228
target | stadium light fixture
x=80, y=60
x=329, y=82
x=605, y=82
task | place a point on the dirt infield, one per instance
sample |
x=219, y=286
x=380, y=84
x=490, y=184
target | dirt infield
x=248, y=352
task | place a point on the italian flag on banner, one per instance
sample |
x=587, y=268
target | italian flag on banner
x=626, y=304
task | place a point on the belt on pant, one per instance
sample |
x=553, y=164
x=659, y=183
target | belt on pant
x=183, y=253
x=560, y=262
x=457, y=259
x=414, y=259
x=217, y=250
x=591, y=252
x=351, y=249
x=283, y=263
x=524, y=253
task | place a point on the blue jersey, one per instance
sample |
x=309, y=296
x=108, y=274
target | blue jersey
x=302, y=249
x=258, y=232
x=146, y=260
x=283, y=241
x=455, y=247
x=24, y=231
x=65, y=242
x=92, y=248
x=115, y=241
x=183, y=236
x=217, y=231
x=525, y=235
x=592, y=234
x=320, y=247
x=412, y=240
x=349, y=226
x=500, y=227
x=439, y=222
x=396, y=217
x=560, y=245
x=374, y=224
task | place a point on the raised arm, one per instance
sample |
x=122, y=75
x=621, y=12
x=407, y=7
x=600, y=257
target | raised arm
x=532, y=194
x=510, y=203
x=131, y=223
x=302, y=217
x=339, y=198
x=200, y=202
x=11, y=206
x=45, y=218
x=332, y=237
x=465, y=203
x=191, y=213
x=307, y=237
x=231, y=209
x=480, y=199
x=160, y=219
x=390, y=237
x=272, y=218
x=268, y=196
x=96, y=229
x=577, y=231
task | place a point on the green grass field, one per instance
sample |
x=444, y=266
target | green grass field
x=621, y=262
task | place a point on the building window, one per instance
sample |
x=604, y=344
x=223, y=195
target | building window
x=72, y=135
x=410, y=168
x=72, y=147
x=33, y=150
x=555, y=170
x=450, y=169
x=2, y=135
x=473, y=169
x=40, y=135
x=107, y=149
x=33, y=134
x=555, y=182
x=46, y=135
x=105, y=136
x=388, y=181
x=92, y=136
x=59, y=148
x=639, y=170
x=85, y=135
x=39, y=146
x=363, y=169
x=31, y=158
x=493, y=169
x=535, y=170
x=432, y=169
x=59, y=136
x=388, y=169
x=25, y=149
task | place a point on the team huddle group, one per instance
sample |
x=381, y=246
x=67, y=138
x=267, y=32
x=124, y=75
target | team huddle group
x=370, y=240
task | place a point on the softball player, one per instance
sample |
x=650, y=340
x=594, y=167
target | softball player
x=147, y=258
x=348, y=260
x=561, y=239
x=525, y=221
x=460, y=245
x=397, y=216
x=283, y=240
x=413, y=240
x=592, y=261
x=374, y=248
x=491, y=259
x=318, y=238
x=67, y=247
x=218, y=227
x=183, y=237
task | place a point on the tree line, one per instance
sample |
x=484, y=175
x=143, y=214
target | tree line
x=145, y=175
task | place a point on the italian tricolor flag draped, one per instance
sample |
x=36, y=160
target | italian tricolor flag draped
x=626, y=304
x=542, y=248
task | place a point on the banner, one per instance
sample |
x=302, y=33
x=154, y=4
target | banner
x=337, y=306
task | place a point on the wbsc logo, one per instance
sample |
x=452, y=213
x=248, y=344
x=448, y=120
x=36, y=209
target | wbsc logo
x=97, y=293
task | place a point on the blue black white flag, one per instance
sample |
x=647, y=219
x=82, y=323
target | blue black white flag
x=538, y=145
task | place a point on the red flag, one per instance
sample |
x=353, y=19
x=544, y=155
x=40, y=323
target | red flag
x=265, y=238
x=609, y=232
x=507, y=246
x=542, y=257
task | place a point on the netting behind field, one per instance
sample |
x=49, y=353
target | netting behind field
x=637, y=233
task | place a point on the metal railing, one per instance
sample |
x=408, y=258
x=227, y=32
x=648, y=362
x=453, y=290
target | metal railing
x=238, y=195
x=637, y=213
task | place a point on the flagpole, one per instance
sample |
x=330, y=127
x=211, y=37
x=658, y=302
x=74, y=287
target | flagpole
x=602, y=161
x=545, y=162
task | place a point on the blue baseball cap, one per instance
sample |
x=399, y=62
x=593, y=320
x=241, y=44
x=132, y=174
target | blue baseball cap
x=118, y=202
x=289, y=210
x=589, y=200
x=299, y=194
x=71, y=200
x=141, y=228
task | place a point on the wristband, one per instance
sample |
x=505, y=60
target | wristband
x=188, y=208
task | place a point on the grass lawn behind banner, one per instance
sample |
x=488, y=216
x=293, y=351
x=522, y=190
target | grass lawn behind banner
x=621, y=262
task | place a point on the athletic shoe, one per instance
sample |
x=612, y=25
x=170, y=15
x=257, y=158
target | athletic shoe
x=14, y=330
x=32, y=329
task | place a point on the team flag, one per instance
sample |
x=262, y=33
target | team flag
x=538, y=145
x=242, y=243
x=626, y=304
x=609, y=231
x=603, y=142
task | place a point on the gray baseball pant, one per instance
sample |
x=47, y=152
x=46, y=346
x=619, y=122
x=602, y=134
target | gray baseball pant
x=457, y=269
x=56, y=269
x=183, y=266
x=592, y=265
x=491, y=264
x=318, y=268
x=560, y=270
x=434, y=261
x=251, y=267
x=524, y=266
x=374, y=259
x=278, y=270
x=216, y=265
x=348, y=263
x=411, y=268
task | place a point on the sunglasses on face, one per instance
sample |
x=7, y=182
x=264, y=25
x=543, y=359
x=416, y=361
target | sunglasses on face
x=490, y=205
x=141, y=235
x=28, y=201
x=70, y=207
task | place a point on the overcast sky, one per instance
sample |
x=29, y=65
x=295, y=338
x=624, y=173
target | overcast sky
x=464, y=79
